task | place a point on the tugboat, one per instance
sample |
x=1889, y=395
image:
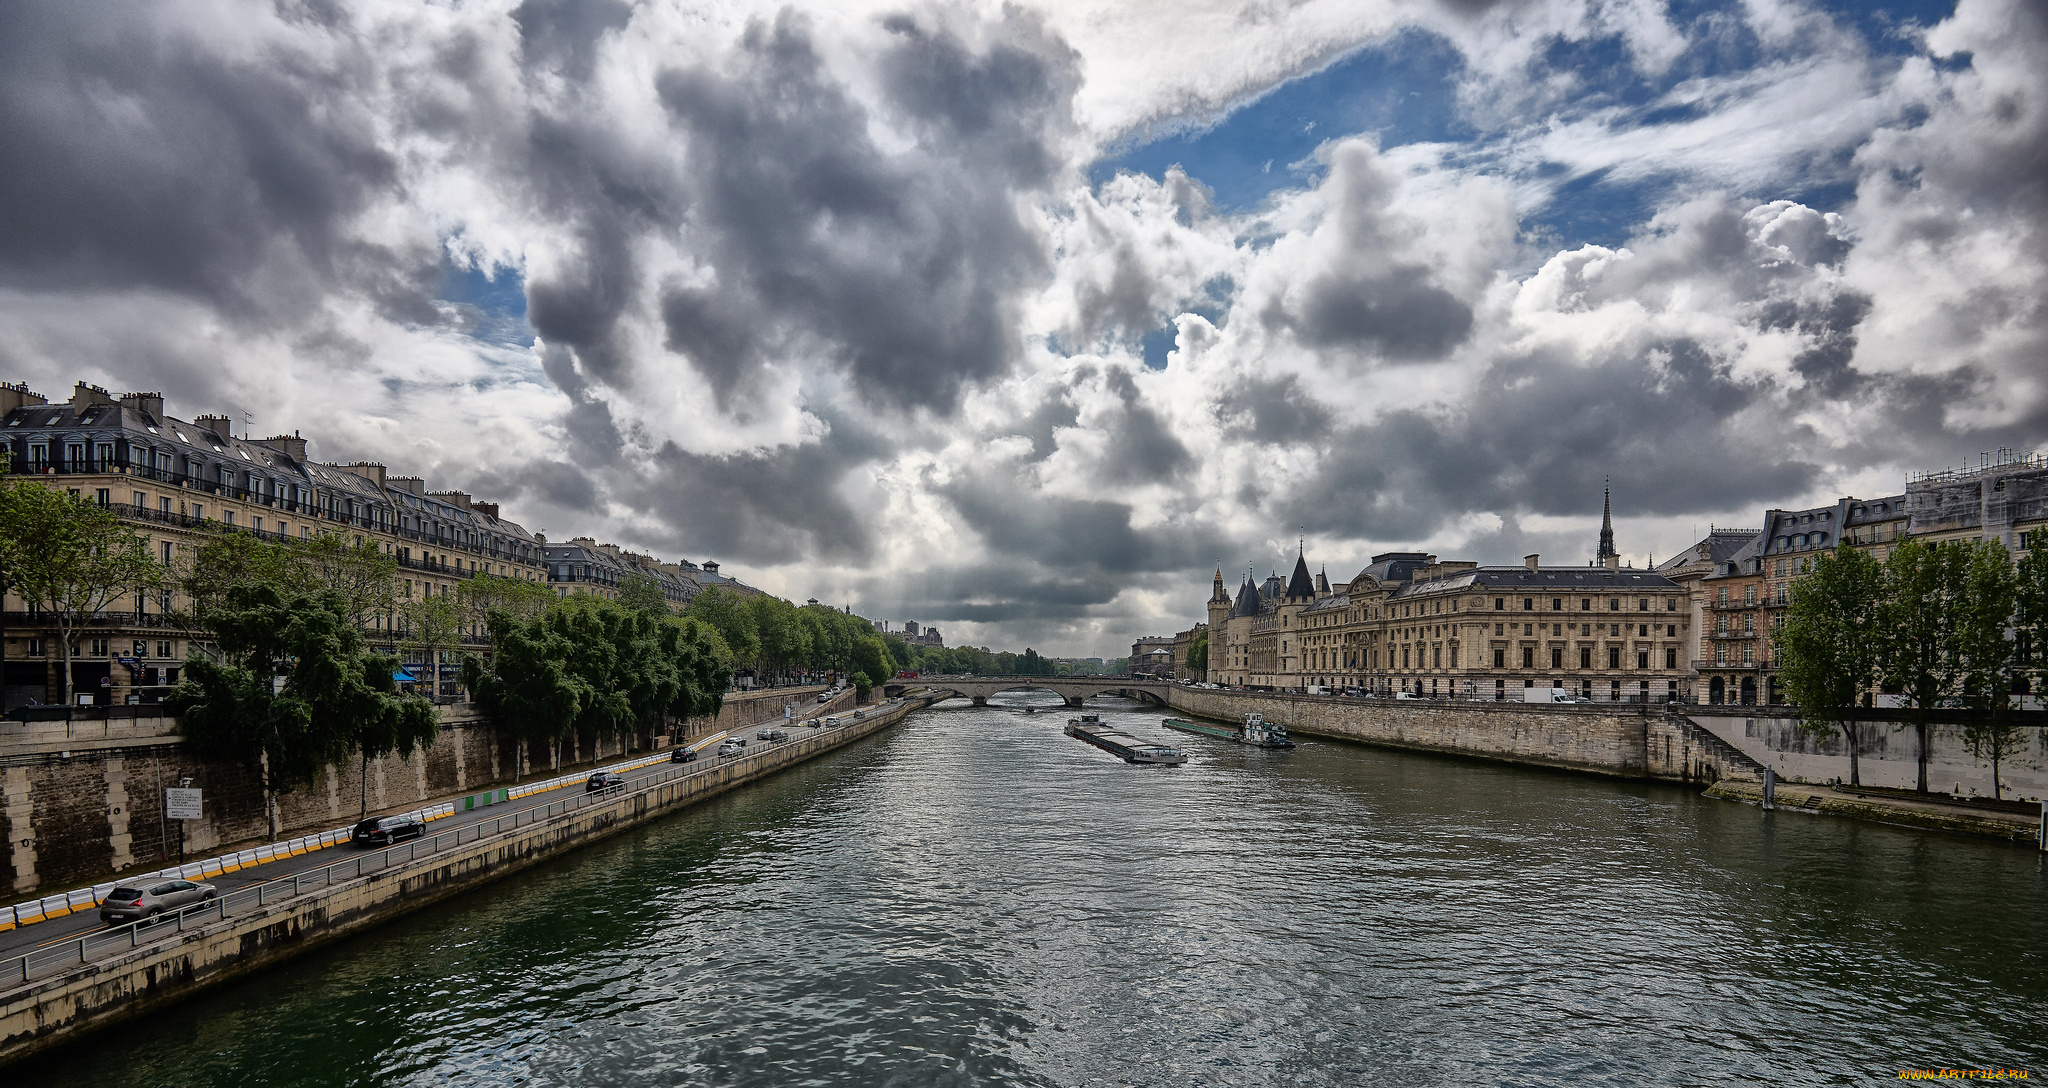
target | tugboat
x=1254, y=730
x=1118, y=743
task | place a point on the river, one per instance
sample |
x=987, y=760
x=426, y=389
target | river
x=973, y=898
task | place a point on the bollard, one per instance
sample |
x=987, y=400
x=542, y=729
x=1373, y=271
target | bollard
x=1770, y=788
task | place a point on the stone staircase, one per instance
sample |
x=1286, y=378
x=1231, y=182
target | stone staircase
x=1732, y=762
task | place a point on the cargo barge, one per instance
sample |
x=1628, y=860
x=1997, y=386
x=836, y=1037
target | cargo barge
x=1118, y=743
x=1254, y=730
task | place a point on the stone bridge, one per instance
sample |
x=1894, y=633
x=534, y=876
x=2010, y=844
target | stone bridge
x=1074, y=689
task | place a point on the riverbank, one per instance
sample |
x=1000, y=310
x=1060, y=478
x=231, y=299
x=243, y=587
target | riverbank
x=55, y=1010
x=1932, y=814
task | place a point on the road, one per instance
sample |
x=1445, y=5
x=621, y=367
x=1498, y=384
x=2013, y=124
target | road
x=56, y=931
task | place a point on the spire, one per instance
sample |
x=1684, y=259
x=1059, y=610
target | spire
x=1323, y=581
x=1299, y=584
x=1606, y=551
x=1216, y=594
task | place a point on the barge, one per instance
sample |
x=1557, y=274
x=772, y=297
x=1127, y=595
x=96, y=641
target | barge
x=1254, y=730
x=1118, y=743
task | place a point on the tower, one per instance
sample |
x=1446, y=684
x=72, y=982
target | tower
x=1607, y=556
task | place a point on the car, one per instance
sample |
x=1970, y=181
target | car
x=824, y=697
x=139, y=902
x=765, y=734
x=775, y=734
x=682, y=755
x=831, y=721
x=604, y=782
x=729, y=749
x=386, y=830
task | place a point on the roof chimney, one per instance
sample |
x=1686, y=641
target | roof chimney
x=150, y=404
x=1530, y=560
x=291, y=445
x=1613, y=562
x=410, y=484
x=86, y=394
x=368, y=470
x=18, y=395
x=488, y=509
x=220, y=425
x=452, y=498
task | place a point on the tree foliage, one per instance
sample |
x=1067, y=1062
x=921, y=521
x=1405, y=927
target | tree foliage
x=1830, y=645
x=296, y=689
x=642, y=593
x=726, y=612
x=69, y=559
x=1198, y=653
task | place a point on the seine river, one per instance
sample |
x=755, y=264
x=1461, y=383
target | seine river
x=973, y=898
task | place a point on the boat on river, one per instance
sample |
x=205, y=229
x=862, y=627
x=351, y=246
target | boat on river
x=1254, y=730
x=1130, y=749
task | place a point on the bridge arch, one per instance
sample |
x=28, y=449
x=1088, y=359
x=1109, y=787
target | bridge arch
x=1074, y=690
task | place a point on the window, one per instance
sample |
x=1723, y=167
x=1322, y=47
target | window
x=1585, y=604
x=1499, y=603
x=1528, y=604
x=1437, y=657
x=1585, y=657
x=1528, y=657
x=1642, y=630
x=1613, y=657
x=163, y=649
x=1614, y=604
x=1749, y=594
x=1670, y=630
x=1642, y=604
x=35, y=647
x=1642, y=659
x=1670, y=658
x=1747, y=653
x=1722, y=596
x=103, y=452
x=1670, y=604
x=164, y=504
x=141, y=502
x=99, y=648
x=1557, y=604
x=104, y=497
x=229, y=515
x=1500, y=659
x=1497, y=629
x=1556, y=658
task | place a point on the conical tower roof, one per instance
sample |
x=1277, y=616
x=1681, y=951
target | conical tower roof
x=1606, y=526
x=1300, y=583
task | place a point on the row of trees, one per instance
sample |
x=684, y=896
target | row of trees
x=780, y=641
x=1953, y=624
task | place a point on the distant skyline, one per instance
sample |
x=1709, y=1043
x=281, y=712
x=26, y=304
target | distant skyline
x=1016, y=320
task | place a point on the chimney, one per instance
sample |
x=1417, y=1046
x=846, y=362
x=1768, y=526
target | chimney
x=1530, y=560
x=220, y=425
x=1614, y=562
x=291, y=445
x=710, y=567
x=487, y=509
x=412, y=485
x=453, y=498
x=14, y=396
x=149, y=404
x=368, y=470
x=87, y=394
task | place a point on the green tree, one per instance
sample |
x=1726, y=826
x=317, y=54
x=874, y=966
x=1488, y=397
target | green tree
x=1921, y=619
x=870, y=656
x=1198, y=663
x=643, y=594
x=1988, y=656
x=358, y=571
x=726, y=612
x=861, y=686
x=1830, y=644
x=69, y=559
x=430, y=628
x=480, y=595
x=295, y=691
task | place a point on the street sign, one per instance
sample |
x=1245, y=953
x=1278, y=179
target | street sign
x=181, y=804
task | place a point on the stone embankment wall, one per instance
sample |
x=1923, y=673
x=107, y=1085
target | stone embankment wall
x=49, y=1011
x=1887, y=754
x=1617, y=739
x=80, y=801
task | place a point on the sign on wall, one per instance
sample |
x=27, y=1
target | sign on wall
x=181, y=804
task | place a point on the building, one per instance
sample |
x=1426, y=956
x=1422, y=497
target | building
x=922, y=636
x=2001, y=499
x=1185, y=642
x=1412, y=623
x=177, y=482
x=582, y=566
x=1152, y=655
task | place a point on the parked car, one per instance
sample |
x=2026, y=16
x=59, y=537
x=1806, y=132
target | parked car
x=386, y=830
x=134, y=902
x=682, y=755
x=604, y=781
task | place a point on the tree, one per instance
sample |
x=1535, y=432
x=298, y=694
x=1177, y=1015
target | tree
x=69, y=559
x=872, y=658
x=1988, y=656
x=1921, y=619
x=861, y=686
x=360, y=572
x=429, y=627
x=295, y=691
x=1198, y=663
x=643, y=594
x=2030, y=612
x=1829, y=645
x=479, y=595
x=727, y=613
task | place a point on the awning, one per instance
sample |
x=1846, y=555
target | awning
x=405, y=677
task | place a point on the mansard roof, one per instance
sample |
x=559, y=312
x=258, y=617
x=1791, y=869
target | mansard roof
x=1394, y=566
x=1581, y=579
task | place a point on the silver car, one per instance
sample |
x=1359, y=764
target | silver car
x=134, y=902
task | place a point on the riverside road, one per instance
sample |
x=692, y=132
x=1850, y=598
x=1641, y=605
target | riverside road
x=57, y=931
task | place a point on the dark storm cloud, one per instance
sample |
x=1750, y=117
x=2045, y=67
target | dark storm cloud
x=563, y=34
x=1540, y=437
x=1142, y=448
x=901, y=268
x=1829, y=326
x=1273, y=411
x=1392, y=310
x=137, y=158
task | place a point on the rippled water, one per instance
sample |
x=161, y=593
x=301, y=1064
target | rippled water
x=974, y=898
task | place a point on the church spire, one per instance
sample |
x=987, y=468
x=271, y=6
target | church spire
x=1606, y=551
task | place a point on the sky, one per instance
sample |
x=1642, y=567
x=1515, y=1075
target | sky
x=1022, y=319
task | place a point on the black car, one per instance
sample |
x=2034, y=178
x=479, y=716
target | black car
x=682, y=755
x=385, y=830
x=601, y=781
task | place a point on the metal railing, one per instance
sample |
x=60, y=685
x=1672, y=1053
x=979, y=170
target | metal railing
x=81, y=950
